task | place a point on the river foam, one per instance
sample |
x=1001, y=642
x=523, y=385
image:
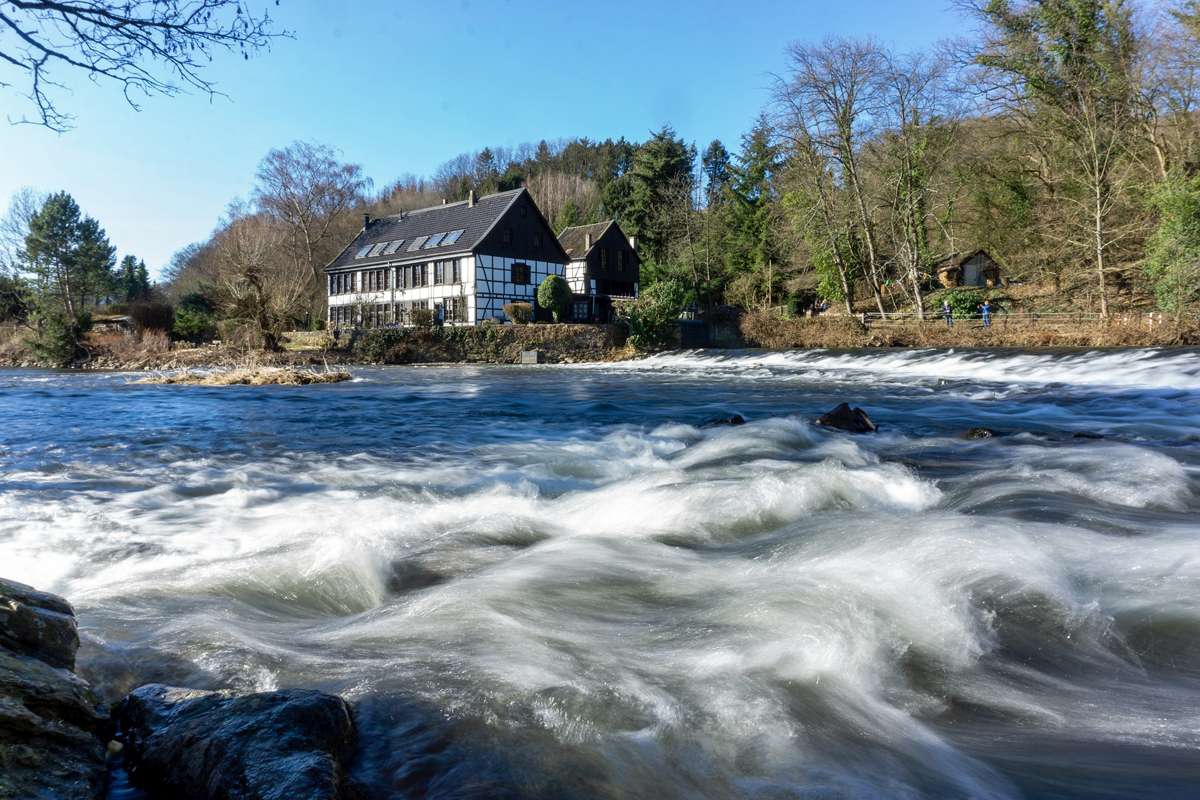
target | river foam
x=559, y=582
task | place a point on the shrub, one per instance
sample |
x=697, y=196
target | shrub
x=14, y=299
x=194, y=326
x=555, y=295
x=963, y=302
x=652, y=318
x=520, y=313
x=152, y=316
x=422, y=317
x=57, y=336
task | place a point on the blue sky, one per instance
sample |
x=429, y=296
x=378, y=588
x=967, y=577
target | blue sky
x=400, y=87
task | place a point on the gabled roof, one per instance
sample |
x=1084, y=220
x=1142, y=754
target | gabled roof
x=955, y=260
x=474, y=221
x=574, y=240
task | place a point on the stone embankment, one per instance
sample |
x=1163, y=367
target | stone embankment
x=58, y=741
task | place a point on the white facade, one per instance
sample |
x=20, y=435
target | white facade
x=358, y=303
x=486, y=285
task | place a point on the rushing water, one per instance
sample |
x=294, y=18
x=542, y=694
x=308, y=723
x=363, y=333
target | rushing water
x=552, y=582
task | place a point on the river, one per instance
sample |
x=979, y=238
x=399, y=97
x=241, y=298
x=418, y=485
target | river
x=554, y=582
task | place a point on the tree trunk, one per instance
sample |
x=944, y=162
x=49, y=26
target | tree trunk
x=1098, y=231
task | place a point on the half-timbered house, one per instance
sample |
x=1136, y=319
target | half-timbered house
x=604, y=266
x=462, y=261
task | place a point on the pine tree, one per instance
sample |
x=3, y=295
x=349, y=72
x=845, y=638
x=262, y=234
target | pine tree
x=661, y=168
x=70, y=261
x=715, y=164
x=754, y=248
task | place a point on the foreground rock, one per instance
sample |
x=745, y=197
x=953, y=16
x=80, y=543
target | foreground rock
x=980, y=433
x=845, y=418
x=51, y=727
x=285, y=745
x=37, y=624
x=257, y=376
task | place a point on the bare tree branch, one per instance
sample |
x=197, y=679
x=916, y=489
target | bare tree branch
x=147, y=47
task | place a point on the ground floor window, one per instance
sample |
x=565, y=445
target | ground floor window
x=579, y=311
x=456, y=309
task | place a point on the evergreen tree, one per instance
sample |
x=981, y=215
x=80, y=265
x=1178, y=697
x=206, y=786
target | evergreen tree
x=68, y=255
x=716, y=167
x=754, y=248
x=132, y=280
x=70, y=261
x=661, y=168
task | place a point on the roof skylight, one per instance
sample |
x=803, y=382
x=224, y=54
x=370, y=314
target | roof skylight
x=362, y=251
x=393, y=247
x=434, y=240
x=377, y=249
x=416, y=243
x=452, y=237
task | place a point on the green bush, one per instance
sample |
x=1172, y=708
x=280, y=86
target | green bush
x=964, y=302
x=14, y=299
x=555, y=295
x=520, y=313
x=1173, y=251
x=654, y=315
x=422, y=317
x=57, y=337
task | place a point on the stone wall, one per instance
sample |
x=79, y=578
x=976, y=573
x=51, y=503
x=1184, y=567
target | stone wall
x=490, y=344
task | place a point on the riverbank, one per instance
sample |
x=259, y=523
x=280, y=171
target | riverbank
x=484, y=344
x=847, y=333
x=575, y=344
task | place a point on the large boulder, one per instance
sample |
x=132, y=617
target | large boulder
x=37, y=624
x=51, y=726
x=284, y=745
x=845, y=418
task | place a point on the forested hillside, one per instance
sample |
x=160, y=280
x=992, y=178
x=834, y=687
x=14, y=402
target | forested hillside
x=1063, y=136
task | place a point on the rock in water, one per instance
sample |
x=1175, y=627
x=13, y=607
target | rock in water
x=37, y=624
x=845, y=418
x=285, y=745
x=50, y=722
x=731, y=420
x=980, y=433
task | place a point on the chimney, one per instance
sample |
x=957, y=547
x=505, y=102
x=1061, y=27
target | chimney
x=587, y=241
x=633, y=243
x=366, y=221
x=471, y=198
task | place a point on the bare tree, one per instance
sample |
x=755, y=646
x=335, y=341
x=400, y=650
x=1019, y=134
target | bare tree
x=921, y=130
x=146, y=47
x=555, y=191
x=1067, y=72
x=834, y=86
x=257, y=287
x=313, y=195
x=14, y=227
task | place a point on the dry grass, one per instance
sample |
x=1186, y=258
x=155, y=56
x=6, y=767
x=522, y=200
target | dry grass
x=764, y=330
x=128, y=347
x=250, y=376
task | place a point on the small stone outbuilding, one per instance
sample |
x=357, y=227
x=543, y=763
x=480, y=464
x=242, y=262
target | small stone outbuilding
x=970, y=269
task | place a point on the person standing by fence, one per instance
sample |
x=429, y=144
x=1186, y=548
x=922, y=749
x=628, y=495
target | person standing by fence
x=985, y=311
x=948, y=313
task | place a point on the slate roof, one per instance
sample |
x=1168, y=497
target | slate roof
x=574, y=240
x=475, y=222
